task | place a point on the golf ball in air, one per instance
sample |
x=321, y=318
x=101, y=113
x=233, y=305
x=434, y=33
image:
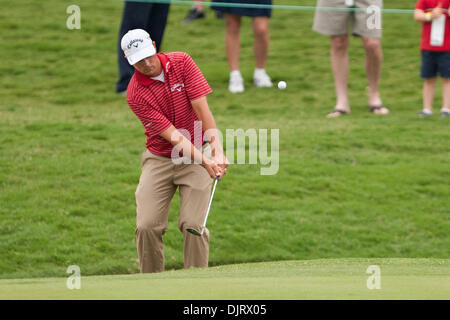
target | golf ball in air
x=282, y=85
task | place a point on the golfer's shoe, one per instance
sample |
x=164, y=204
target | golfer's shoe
x=192, y=15
x=262, y=80
x=236, y=84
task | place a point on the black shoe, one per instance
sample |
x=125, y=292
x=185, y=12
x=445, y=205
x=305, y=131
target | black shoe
x=192, y=15
x=219, y=14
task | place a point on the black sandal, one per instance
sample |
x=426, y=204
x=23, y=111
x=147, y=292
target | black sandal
x=341, y=112
x=373, y=108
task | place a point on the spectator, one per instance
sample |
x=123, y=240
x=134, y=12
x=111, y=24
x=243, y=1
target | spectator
x=260, y=22
x=435, y=48
x=335, y=24
x=151, y=17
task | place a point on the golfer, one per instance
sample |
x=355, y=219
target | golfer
x=168, y=94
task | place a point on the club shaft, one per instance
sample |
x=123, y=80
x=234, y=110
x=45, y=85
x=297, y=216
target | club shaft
x=209, y=205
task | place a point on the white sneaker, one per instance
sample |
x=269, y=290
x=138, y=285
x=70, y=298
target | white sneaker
x=236, y=83
x=261, y=79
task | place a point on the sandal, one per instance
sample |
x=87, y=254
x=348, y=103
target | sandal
x=338, y=113
x=373, y=109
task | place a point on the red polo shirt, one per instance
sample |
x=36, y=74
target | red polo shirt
x=161, y=104
x=427, y=6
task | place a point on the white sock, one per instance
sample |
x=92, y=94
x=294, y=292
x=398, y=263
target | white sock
x=259, y=72
x=445, y=110
x=235, y=74
x=426, y=111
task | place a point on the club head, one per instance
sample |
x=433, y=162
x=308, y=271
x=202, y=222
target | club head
x=193, y=231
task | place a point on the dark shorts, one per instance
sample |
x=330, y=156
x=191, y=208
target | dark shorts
x=246, y=12
x=434, y=62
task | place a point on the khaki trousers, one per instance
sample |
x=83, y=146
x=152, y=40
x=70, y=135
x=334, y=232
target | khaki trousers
x=159, y=180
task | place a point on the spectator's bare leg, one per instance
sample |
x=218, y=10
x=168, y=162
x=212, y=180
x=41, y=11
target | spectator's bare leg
x=339, y=64
x=428, y=93
x=232, y=42
x=374, y=61
x=446, y=93
x=261, y=41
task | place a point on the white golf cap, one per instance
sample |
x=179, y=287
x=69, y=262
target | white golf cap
x=137, y=45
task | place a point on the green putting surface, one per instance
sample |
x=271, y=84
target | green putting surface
x=309, y=279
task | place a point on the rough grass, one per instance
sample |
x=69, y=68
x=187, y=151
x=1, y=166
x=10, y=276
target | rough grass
x=357, y=186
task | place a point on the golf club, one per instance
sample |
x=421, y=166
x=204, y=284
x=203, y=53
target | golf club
x=196, y=232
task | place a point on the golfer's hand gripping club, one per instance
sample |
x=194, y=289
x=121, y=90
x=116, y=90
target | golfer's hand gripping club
x=214, y=169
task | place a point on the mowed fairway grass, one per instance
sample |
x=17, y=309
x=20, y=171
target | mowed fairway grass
x=308, y=279
x=359, y=186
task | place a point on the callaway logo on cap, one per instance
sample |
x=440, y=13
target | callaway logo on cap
x=137, y=45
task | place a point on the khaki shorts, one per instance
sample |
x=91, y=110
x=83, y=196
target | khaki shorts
x=335, y=23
